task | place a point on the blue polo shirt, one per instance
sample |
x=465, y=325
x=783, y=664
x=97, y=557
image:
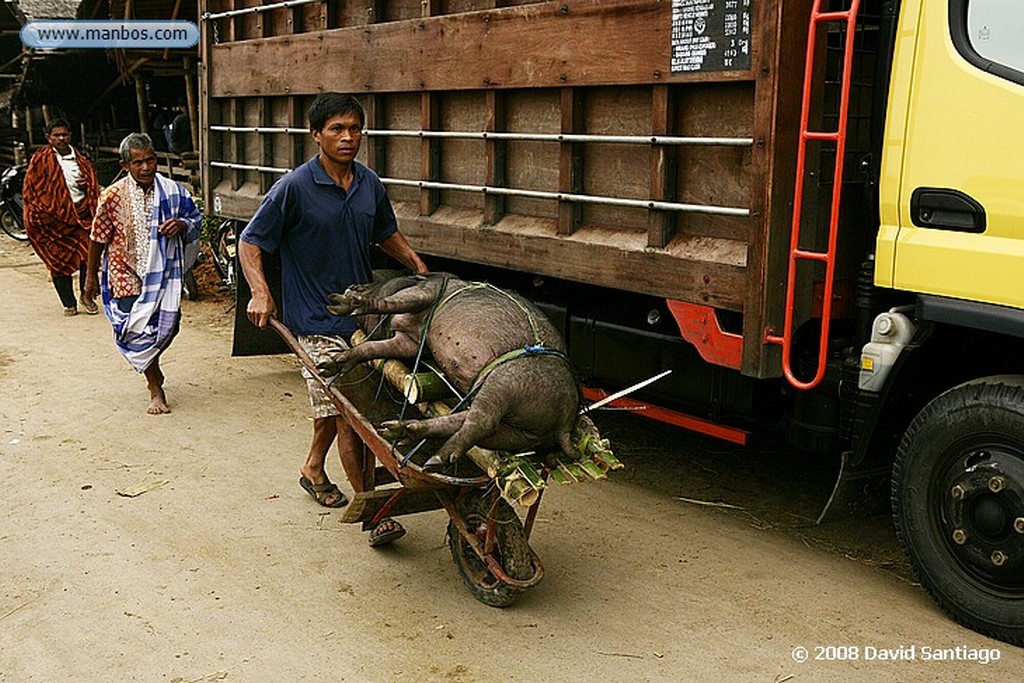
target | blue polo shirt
x=324, y=235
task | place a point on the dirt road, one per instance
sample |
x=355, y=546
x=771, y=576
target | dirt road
x=224, y=569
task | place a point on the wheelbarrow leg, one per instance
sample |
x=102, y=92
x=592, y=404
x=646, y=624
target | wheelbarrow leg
x=369, y=467
x=353, y=456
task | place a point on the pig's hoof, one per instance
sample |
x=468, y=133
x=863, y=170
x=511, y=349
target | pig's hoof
x=403, y=429
x=345, y=304
x=394, y=430
x=327, y=368
x=440, y=459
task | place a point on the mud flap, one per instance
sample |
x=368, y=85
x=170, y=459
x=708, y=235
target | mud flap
x=249, y=340
x=861, y=489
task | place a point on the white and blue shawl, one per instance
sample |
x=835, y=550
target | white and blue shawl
x=147, y=329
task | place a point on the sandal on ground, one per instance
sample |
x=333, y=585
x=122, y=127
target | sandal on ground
x=70, y=311
x=90, y=306
x=324, y=492
x=386, y=531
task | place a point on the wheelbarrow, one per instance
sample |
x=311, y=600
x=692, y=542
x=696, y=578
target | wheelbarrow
x=488, y=541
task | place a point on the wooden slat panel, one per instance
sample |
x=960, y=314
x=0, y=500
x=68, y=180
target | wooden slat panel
x=404, y=154
x=661, y=225
x=701, y=270
x=535, y=45
x=616, y=170
x=495, y=153
x=376, y=147
x=267, y=142
x=463, y=161
x=705, y=271
x=278, y=22
x=430, y=151
x=570, y=161
x=397, y=10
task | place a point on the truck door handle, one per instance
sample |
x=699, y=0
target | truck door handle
x=945, y=209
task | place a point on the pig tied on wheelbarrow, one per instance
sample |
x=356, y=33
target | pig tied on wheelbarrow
x=498, y=349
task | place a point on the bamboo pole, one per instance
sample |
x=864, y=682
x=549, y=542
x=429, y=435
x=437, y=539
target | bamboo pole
x=425, y=386
x=140, y=101
x=190, y=100
x=174, y=15
x=120, y=80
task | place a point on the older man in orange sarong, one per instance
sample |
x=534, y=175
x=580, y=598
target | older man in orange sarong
x=60, y=193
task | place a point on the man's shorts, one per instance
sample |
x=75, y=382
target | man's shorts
x=321, y=348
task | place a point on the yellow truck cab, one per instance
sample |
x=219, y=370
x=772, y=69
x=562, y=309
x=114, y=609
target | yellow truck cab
x=812, y=211
x=951, y=204
x=951, y=197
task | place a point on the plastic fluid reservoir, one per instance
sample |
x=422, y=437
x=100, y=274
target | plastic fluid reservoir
x=890, y=332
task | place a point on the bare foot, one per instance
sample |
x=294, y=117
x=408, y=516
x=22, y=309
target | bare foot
x=158, y=402
x=155, y=383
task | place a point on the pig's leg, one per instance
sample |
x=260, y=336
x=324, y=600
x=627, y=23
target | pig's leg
x=481, y=422
x=406, y=431
x=398, y=346
x=408, y=300
x=523, y=405
x=464, y=430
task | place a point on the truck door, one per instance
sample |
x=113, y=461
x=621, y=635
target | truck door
x=953, y=202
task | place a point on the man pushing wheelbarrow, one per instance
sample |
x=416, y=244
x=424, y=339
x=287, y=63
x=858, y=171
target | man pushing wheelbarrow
x=503, y=361
x=321, y=219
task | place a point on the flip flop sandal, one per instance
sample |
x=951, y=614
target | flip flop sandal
x=90, y=307
x=392, y=534
x=321, y=492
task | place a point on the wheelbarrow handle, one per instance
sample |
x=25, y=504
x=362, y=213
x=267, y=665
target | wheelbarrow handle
x=296, y=347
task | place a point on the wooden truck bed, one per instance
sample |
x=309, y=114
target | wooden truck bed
x=641, y=145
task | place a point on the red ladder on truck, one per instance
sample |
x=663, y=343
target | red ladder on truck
x=796, y=254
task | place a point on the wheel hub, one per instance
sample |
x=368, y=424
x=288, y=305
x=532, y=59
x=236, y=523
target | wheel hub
x=983, y=516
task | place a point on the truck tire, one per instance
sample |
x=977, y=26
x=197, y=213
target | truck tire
x=958, y=503
x=511, y=550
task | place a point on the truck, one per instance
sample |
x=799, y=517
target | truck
x=810, y=210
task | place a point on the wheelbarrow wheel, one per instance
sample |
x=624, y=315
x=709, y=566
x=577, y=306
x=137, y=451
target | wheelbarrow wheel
x=511, y=550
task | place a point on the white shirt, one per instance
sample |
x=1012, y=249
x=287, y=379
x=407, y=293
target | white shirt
x=141, y=201
x=72, y=174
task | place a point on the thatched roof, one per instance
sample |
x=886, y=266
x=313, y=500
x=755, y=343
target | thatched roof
x=48, y=9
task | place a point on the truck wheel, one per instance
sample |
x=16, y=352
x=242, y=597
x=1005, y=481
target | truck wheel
x=958, y=504
x=510, y=548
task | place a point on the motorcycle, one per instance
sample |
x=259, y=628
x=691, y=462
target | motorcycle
x=11, y=207
x=223, y=251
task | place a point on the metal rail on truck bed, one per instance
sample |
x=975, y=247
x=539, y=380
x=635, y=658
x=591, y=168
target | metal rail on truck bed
x=513, y=136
